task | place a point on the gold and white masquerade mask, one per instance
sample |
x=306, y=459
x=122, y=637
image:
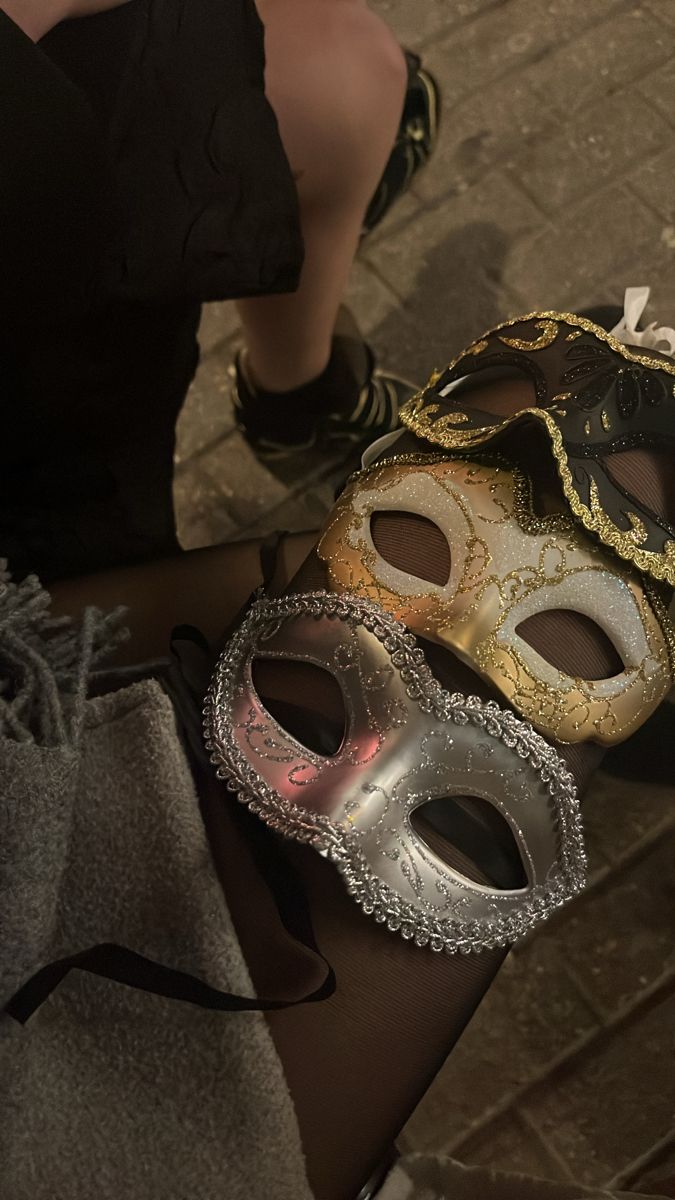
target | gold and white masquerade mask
x=506, y=565
x=406, y=741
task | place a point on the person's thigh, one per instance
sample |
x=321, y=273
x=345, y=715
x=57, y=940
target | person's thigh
x=205, y=588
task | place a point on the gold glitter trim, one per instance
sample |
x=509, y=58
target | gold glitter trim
x=662, y=614
x=416, y=413
x=605, y=420
x=473, y=612
x=638, y=531
x=572, y=337
x=583, y=325
x=587, y=428
x=477, y=347
x=549, y=332
x=529, y=520
x=413, y=459
x=660, y=565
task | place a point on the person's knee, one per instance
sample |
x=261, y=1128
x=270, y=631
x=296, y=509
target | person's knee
x=336, y=78
x=365, y=64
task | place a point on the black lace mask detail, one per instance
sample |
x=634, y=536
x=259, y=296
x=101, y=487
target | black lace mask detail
x=594, y=397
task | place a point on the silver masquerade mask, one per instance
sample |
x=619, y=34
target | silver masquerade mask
x=406, y=741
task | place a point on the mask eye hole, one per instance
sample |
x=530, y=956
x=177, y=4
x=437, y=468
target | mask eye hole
x=472, y=837
x=572, y=642
x=500, y=391
x=305, y=700
x=648, y=475
x=412, y=543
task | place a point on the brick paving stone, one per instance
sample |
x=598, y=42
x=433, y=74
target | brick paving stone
x=661, y=278
x=219, y=322
x=600, y=145
x=246, y=489
x=414, y=29
x=406, y=206
x=618, y=813
x=532, y=1013
x=482, y=131
x=570, y=18
x=653, y=180
x=207, y=413
x=659, y=88
x=557, y=267
x=621, y=940
x=370, y=299
x=653, y=266
x=303, y=510
x=448, y=264
x=507, y=1143
x=660, y=1172
x=417, y=250
x=202, y=518
x=662, y=12
x=600, y=60
x=614, y=1102
x=410, y=346
x=508, y=37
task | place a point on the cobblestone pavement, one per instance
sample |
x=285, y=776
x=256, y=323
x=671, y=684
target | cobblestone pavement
x=552, y=187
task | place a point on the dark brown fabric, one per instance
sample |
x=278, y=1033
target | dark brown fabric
x=142, y=173
x=203, y=204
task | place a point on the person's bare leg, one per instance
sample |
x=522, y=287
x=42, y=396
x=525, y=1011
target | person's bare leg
x=336, y=80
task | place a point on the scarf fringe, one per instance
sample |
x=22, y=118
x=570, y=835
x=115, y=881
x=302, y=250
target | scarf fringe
x=46, y=662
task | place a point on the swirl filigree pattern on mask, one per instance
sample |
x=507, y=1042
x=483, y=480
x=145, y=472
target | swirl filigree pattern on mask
x=407, y=740
x=507, y=565
x=593, y=397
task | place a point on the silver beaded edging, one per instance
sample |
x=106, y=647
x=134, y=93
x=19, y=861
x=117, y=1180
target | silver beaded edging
x=340, y=845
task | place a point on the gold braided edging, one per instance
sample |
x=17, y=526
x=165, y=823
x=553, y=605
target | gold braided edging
x=528, y=519
x=659, y=565
x=581, y=323
x=662, y=614
x=624, y=543
x=505, y=492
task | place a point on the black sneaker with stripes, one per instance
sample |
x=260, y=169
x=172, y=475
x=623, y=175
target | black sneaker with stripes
x=352, y=403
x=415, y=141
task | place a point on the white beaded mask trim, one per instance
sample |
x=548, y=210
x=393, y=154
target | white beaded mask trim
x=407, y=741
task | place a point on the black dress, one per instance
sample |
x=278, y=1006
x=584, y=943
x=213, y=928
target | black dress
x=141, y=173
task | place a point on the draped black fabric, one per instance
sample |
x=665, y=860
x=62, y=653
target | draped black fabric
x=141, y=172
x=205, y=204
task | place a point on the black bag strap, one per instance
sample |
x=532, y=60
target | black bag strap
x=119, y=963
x=126, y=966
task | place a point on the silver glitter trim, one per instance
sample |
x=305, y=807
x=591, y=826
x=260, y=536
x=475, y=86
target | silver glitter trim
x=340, y=845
